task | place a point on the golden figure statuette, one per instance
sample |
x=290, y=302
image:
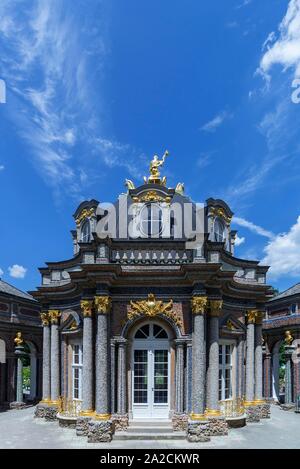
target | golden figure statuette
x=155, y=164
x=289, y=339
x=18, y=339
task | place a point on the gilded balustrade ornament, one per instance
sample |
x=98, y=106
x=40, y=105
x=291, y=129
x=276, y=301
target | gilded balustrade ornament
x=151, y=308
x=86, y=213
x=45, y=318
x=199, y=304
x=288, y=338
x=215, y=307
x=18, y=339
x=54, y=315
x=102, y=304
x=87, y=307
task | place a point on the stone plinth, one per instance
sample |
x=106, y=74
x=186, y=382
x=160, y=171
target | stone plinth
x=264, y=410
x=217, y=426
x=67, y=422
x=82, y=425
x=46, y=411
x=198, y=431
x=100, y=431
x=120, y=421
x=180, y=422
x=17, y=405
x=236, y=422
x=252, y=413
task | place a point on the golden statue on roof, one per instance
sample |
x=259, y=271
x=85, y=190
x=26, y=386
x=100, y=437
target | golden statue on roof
x=155, y=164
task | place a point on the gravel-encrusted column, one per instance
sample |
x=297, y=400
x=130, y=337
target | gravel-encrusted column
x=288, y=352
x=213, y=408
x=189, y=377
x=267, y=372
x=258, y=392
x=54, y=315
x=100, y=428
x=198, y=426
x=87, y=358
x=46, y=357
x=252, y=410
x=19, y=354
x=113, y=376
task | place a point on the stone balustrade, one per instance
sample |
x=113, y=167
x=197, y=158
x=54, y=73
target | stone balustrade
x=149, y=256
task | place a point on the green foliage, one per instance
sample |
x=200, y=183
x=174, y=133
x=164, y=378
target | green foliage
x=26, y=377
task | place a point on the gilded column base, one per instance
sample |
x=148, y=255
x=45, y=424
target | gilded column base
x=102, y=416
x=87, y=413
x=213, y=413
x=198, y=417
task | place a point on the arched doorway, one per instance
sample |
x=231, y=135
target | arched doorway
x=150, y=365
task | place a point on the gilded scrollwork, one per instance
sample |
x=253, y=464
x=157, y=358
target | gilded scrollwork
x=54, y=315
x=151, y=308
x=45, y=318
x=102, y=304
x=199, y=304
x=86, y=213
x=215, y=307
x=87, y=307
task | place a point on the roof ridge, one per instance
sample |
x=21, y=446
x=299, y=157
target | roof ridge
x=16, y=288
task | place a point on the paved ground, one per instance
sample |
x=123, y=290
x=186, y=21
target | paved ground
x=18, y=429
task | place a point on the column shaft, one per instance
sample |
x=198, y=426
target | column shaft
x=102, y=404
x=199, y=364
x=113, y=377
x=87, y=369
x=250, y=363
x=46, y=363
x=19, y=394
x=258, y=362
x=55, y=362
x=213, y=366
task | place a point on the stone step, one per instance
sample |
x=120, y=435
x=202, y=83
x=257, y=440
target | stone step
x=150, y=429
x=128, y=435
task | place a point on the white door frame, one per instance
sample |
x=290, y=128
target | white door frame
x=150, y=410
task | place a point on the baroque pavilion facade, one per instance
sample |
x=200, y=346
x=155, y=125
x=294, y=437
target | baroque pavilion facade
x=164, y=325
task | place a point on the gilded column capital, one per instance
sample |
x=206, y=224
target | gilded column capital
x=215, y=308
x=87, y=307
x=102, y=304
x=54, y=315
x=45, y=318
x=199, y=304
x=254, y=316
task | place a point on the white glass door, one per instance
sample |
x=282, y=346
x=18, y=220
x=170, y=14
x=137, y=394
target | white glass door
x=151, y=365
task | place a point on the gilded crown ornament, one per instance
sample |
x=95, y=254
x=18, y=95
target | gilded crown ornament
x=45, y=318
x=18, y=340
x=54, y=315
x=103, y=304
x=154, y=177
x=151, y=308
x=199, y=304
x=87, y=307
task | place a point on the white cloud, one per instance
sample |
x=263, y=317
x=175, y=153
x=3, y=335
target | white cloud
x=17, y=271
x=204, y=160
x=218, y=120
x=282, y=253
x=1, y=272
x=239, y=241
x=285, y=48
x=2, y=167
x=252, y=227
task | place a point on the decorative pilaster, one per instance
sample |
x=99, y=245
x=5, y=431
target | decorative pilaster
x=87, y=359
x=258, y=391
x=179, y=377
x=198, y=427
x=252, y=409
x=100, y=428
x=19, y=354
x=241, y=368
x=288, y=352
x=54, y=316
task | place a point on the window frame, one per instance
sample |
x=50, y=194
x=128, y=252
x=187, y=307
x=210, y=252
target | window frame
x=83, y=237
x=223, y=367
x=77, y=366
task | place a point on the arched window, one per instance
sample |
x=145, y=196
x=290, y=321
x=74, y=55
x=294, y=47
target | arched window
x=86, y=232
x=219, y=231
x=151, y=331
x=151, y=221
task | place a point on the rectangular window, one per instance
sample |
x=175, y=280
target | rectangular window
x=294, y=308
x=77, y=371
x=225, y=371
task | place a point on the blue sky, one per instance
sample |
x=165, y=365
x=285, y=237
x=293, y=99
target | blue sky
x=95, y=87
